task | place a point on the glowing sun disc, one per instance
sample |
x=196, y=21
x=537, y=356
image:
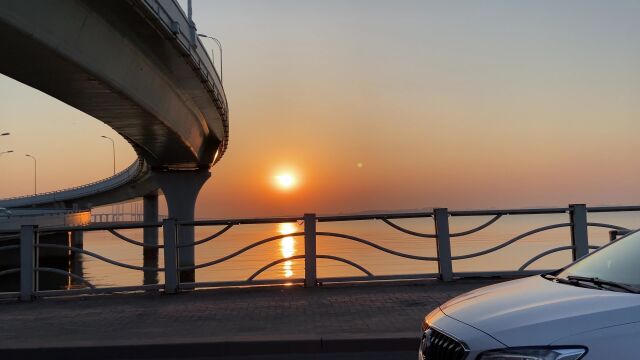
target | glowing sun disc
x=285, y=181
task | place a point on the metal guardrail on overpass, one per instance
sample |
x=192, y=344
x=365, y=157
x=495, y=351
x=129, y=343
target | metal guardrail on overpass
x=124, y=177
x=175, y=22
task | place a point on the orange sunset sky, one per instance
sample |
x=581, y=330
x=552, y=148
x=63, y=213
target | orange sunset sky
x=387, y=105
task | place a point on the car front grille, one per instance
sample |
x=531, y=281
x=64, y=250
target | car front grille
x=438, y=346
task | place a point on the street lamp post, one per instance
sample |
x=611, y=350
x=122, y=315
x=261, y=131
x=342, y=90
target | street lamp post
x=113, y=147
x=114, y=208
x=35, y=174
x=5, y=134
x=6, y=152
x=219, y=47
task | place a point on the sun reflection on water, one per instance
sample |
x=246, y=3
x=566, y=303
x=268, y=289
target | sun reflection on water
x=287, y=247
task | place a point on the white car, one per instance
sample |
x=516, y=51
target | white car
x=587, y=310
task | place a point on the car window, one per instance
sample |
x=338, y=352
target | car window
x=619, y=262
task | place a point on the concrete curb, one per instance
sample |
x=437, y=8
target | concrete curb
x=213, y=349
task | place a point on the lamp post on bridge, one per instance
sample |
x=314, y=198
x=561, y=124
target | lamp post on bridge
x=35, y=174
x=219, y=47
x=113, y=147
x=5, y=134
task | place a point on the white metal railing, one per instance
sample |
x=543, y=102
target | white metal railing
x=577, y=222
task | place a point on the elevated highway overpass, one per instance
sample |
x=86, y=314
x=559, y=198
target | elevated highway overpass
x=137, y=66
x=133, y=182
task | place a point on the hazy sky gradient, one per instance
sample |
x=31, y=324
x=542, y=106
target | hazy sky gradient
x=462, y=104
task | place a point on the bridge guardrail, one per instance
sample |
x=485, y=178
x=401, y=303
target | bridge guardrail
x=578, y=243
x=173, y=19
x=112, y=182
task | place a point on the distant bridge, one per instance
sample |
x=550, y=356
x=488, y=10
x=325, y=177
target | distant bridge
x=107, y=191
x=139, y=67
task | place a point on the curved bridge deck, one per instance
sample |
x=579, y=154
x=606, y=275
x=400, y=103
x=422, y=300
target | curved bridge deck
x=136, y=66
x=129, y=183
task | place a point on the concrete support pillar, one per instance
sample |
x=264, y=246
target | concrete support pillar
x=75, y=260
x=150, y=204
x=150, y=237
x=77, y=239
x=181, y=190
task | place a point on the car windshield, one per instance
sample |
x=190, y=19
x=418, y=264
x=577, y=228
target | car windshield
x=617, y=262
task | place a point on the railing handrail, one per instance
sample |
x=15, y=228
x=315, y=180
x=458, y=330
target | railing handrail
x=406, y=215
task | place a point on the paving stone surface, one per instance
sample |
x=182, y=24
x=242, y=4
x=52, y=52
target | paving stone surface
x=285, y=313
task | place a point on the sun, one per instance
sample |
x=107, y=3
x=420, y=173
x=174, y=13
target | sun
x=286, y=181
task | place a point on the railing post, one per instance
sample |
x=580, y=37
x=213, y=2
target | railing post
x=579, y=230
x=443, y=244
x=27, y=261
x=169, y=230
x=310, y=279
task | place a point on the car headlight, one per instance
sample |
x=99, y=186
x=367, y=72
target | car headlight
x=535, y=353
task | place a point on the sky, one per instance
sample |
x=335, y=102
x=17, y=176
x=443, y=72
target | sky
x=387, y=105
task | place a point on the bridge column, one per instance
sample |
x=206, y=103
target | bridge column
x=150, y=215
x=181, y=190
x=77, y=239
x=150, y=237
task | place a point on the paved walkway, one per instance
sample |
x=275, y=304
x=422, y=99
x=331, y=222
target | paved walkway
x=250, y=321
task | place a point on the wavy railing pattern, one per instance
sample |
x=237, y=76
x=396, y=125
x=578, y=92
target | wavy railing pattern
x=433, y=236
x=171, y=245
x=376, y=246
x=33, y=234
x=9, y=247
x=134, y=242
x=466, y=256
x=548, y=252
x=607, y=226
x=9, y=271
x=9, y=237
x=330, y=257
x=511, y=241
x=208, y=238
x=239, y=252
x=65, y=273
x=486, y=251
x=97, y=256
x=471, y=231
x=386, y=219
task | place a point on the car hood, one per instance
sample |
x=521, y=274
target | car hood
x=537, y=311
